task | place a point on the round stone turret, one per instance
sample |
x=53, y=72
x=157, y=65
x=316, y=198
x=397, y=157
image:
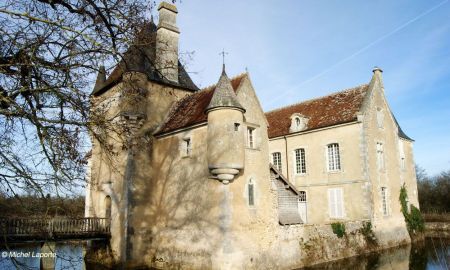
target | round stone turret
x=225, y=140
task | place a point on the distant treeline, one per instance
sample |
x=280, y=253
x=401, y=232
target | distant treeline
x=434, y=191
x=32, y=206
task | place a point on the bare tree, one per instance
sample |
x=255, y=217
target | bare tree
x=50, y=52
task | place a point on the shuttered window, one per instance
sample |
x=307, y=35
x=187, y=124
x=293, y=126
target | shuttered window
x=335, y=203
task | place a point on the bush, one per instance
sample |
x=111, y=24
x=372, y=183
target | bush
x=414, y=220
x=367, y=232
x=338, y=229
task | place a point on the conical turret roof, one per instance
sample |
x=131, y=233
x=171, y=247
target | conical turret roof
x=224, y=95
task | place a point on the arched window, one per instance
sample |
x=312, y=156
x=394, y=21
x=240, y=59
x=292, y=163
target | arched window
x=298, y=121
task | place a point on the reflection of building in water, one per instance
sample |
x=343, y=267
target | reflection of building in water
x=187, y=180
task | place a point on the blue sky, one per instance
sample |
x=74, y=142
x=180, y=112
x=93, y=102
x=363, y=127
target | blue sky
x=296, y=50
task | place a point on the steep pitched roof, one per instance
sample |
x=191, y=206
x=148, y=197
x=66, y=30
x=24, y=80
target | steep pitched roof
x=140, y=57
x=337, y=108
x=191, y=109
x=224, y=95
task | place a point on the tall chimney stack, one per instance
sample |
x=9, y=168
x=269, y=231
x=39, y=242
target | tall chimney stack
x=167, y=42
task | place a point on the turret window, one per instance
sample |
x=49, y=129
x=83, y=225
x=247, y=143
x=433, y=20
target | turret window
x=276, y=160
x=334, y=158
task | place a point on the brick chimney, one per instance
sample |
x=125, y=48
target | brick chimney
x=167, y=42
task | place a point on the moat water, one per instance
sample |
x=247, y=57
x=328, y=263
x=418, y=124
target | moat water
x=433, y=254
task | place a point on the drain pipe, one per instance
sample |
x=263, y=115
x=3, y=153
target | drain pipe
x=287, y=158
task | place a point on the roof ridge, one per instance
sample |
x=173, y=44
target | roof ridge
x=317, y=98
x=242, y=74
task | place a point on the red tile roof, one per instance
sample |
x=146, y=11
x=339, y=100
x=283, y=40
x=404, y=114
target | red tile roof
x=191, y=109
x=337, y=108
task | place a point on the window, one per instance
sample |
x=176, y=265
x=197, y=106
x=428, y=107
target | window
x=384, y=200
x=251, y=194
x=276, y=160
x=402, y=156
x=187, y=147
x=334, y=159
x=380, y=118
x=300, y=161
x=380, y=156
x=299, y=122
x=302, y=196
x=335, y=203
x=251, y=137
x=236, y=126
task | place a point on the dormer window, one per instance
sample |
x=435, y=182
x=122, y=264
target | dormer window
x=298, y=122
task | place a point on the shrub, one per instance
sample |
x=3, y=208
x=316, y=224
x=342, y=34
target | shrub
x=414, y=220
x=368, y=233
x=338, y=229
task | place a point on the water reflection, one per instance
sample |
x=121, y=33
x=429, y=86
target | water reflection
x=433, y=254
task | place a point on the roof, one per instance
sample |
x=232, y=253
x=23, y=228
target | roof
x=224, y=95
x=191, y=109
x=401, y=133
x=140, y=57
x=334, y=109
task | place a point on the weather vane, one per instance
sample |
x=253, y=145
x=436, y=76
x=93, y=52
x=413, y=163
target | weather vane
x=223, y=53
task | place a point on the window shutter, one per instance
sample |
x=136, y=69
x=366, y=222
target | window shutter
x=331, y=202
x=339, y=203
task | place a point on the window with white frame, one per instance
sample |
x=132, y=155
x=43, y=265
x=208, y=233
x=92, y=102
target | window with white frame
x=276, y=160
x=335, y=203
x=251, y=137
x=333, y=156
x=186, y=147
x=380, y=156
x=300, y=161
x=384, y=201
x=380, y=118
